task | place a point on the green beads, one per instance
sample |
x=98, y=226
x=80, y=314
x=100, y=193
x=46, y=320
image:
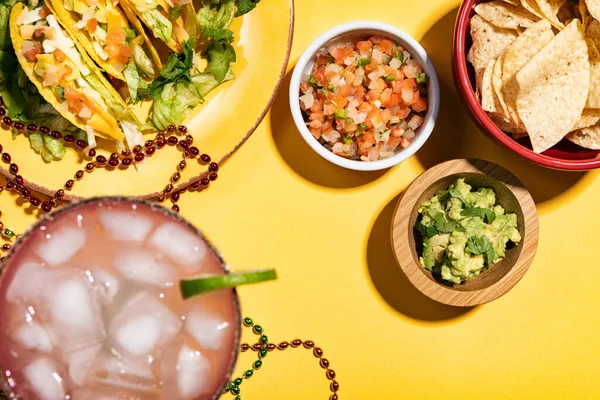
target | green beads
x=8, y=233
x=234, y=386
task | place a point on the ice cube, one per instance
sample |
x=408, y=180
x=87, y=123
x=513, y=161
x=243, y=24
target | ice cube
x=73, y=311
x=190, y=374
x=139, y=266
x=110, y=370
x=60, y=246
x=108, y=285
x=45, y=380
x=143, y=326
x=125, y=225
x=181, y=245
x=33, y=336
x=207, y=328
x=24, y=281
x=80, y=361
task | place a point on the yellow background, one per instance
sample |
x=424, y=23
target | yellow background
x=326, y=230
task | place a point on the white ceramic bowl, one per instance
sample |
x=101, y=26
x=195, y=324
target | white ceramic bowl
x=363, y=30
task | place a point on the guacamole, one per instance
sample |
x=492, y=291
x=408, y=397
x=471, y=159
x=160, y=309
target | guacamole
x=464, y=232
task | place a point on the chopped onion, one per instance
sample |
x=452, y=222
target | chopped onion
x=29, y=17
x=100, y=34
x=308, y=100
x=415, y=122
x=85, y=113
x=377, y=56
x=409, y=134
x=395, y=63
x=100, y=51
x=407, y=95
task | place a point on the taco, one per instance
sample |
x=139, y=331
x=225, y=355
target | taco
x=172, y=21
x=67, y=78
x=120, y=48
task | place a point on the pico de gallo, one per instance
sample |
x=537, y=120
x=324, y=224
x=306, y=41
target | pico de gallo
x=364, y=99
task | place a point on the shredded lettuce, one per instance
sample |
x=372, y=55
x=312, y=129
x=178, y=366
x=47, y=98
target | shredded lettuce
x=216, y=16
x=132, y=78
x=94, y=81
x=45, y=145
x=143, y=62
x=178, y=98
x=159, y=24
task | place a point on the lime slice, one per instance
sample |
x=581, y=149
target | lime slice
x=194, y=287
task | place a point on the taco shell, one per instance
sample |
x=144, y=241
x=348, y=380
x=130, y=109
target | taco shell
x=70, y=19
x=104, y=123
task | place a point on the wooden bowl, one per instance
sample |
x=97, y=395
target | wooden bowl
x=500, y=277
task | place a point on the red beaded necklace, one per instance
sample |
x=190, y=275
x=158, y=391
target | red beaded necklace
x=168, y=137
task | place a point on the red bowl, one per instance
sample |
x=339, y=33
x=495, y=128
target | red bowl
x=564, y=156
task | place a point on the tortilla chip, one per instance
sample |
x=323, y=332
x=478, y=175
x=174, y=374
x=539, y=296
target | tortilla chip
x=593, y=33
x=568, y=12
x=593, y=7
x=549, y=10
x=532, y=7
x=586, y=137
x=516, y=56
x=584, y=14
x=505, y=15
x=489, y=42
x=588, y=118
x=489, y=100
x=513, y=2
x=497, y=84
x=593, y=100
x=554, y=87
x=507, y=126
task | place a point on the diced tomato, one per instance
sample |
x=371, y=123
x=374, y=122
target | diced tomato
x=115, y=37
x=317, y=116
x=385, y=96
x=394, y=100
x=340, y=54
x=329, y=109
x=387, y=46
x=327, y=126
x=126, y=51
x=372, y=95
x=371, y=67
x=399, y=74
x=378, y=85
x=64, y=70
x=38, y=34
x=112, y=50
x=59, y=55
x=316, y=133
x=341, y=101
x=386, y=115
x=92, y=24
x=393, y=142
x=420, y=105
x=317, y=106
x=304, y=86
x=320, y=76
x=322, y=59
x=364, y=47
x=44, y=12
x=404, y=142
x=375, y=39
x=403, y=112
x=346, y=90
x=71, y=94
x=31, y=55
x=368, y=140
